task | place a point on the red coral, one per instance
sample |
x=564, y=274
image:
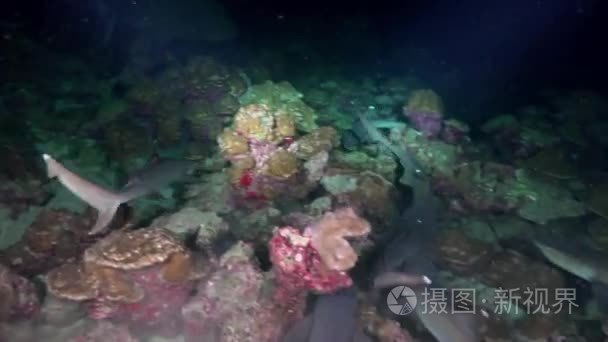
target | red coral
x=246, y=179
x=298, y=267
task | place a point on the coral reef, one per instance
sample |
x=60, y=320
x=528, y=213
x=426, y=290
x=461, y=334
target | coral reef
x=319, y=140
x=18, y=297
x=370, y=194
x=282, y=97
x=190, y=101
x=434, y=157
x=507, y=270
x=552, y=162
x=317, y=259
x=519, y=139
x=188, y=223
x=266, y=156
x=454, y=131
x=298, y=266
x=383, y=164
x=277, y=183
x=480, y=186
x=55, y=236
x=462, y=254
x=232, y=305
x=142, y=277
x=491, y=187
x=424, y=108
x=551, y=201
x=328, y=238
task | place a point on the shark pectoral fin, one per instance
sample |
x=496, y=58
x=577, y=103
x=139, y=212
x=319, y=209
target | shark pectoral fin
x=104, y=217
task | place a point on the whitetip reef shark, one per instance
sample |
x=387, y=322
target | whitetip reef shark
x=582, y=261
x=149, y=180
x=334, y=319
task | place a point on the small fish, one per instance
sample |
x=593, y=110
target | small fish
x=106, y=201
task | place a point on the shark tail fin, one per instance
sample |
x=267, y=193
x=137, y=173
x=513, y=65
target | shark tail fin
x=105, y=201
x=51, y=163
x=104, y=217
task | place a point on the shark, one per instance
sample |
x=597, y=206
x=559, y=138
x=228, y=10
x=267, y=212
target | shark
x=582, y=261
x=105, y=201
x=408, y=260
x=333, y=319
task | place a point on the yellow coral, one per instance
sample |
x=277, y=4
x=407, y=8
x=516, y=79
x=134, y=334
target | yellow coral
x=282, y=96
x=424, y=100
x=285, y=126
x=282, y=164
x=321, y=139
x=255, y=121
x=231, y=143
x=177, y=268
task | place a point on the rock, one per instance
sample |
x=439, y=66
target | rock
x=210, y=227
x=184, y=223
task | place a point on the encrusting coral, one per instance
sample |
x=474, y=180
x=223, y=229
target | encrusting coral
x=425, y=109
x=266, y=156
x=282, y=97
x=328, y=237
x=316, y=259
x=143, y=276
x=18, y=297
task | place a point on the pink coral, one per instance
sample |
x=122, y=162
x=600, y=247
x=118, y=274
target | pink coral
x=429, y=123
x=162, y=301
x=298, y=267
